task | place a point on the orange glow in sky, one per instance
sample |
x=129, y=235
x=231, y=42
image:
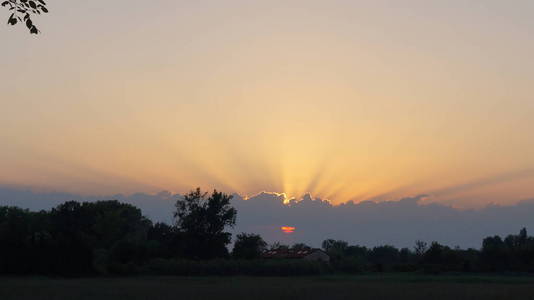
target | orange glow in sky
x=288, y=229
x=252, y=96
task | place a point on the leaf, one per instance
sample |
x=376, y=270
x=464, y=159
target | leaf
x=34, y=30
x=44, y=9
x=5, y=3
x=42, y=2
x=12, y=20
x=33, y=5
x=29, y=23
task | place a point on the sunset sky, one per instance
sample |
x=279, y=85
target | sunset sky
x=346, y=100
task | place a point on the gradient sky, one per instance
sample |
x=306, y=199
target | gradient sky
x=347, y=100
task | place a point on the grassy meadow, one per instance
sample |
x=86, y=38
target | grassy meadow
x=390, y=286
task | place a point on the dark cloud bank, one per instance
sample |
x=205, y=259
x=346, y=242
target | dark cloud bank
x=397, y=223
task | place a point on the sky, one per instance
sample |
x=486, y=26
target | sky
x=345, y=100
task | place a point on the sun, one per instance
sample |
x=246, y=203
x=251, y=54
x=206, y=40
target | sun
x=288, y=229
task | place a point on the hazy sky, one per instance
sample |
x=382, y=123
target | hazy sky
x=347, y=100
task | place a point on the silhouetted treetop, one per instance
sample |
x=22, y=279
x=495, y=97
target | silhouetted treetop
x=203, y=220
x=198, y=213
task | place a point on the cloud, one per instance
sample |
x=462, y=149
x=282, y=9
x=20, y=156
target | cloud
x=367, y=223
x=158, y=206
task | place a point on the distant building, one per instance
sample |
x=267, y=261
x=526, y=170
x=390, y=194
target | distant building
x=305, y=254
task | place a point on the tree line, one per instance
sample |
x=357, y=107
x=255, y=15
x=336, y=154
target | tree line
x=109, y=237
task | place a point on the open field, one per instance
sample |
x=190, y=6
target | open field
x=257, y=288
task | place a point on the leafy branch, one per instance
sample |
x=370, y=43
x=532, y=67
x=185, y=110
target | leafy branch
x=22, y=11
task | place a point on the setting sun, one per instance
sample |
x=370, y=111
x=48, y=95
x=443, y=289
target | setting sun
x=288, y=229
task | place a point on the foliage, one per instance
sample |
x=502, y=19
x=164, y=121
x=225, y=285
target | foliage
x=109, y=237
x=203, y=221
x=22, y=11
x=248, y=246
x=335, y=249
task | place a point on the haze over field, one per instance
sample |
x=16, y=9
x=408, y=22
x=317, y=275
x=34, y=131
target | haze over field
x=344, y=100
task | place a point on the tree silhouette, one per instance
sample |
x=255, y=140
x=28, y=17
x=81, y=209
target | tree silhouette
x=203, y=220
x=109, y=237
x=383, y=256
x=22, y=11
x=335, y=248
x=248, y=246
x=118, y=229
x=420, y=248
x=494, y=253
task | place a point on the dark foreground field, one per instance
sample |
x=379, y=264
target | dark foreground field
x=257, y=288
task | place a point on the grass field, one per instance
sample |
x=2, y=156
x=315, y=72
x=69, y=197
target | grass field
x=257, y=288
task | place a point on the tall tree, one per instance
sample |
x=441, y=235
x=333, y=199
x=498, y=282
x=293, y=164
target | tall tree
x=203, y=219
